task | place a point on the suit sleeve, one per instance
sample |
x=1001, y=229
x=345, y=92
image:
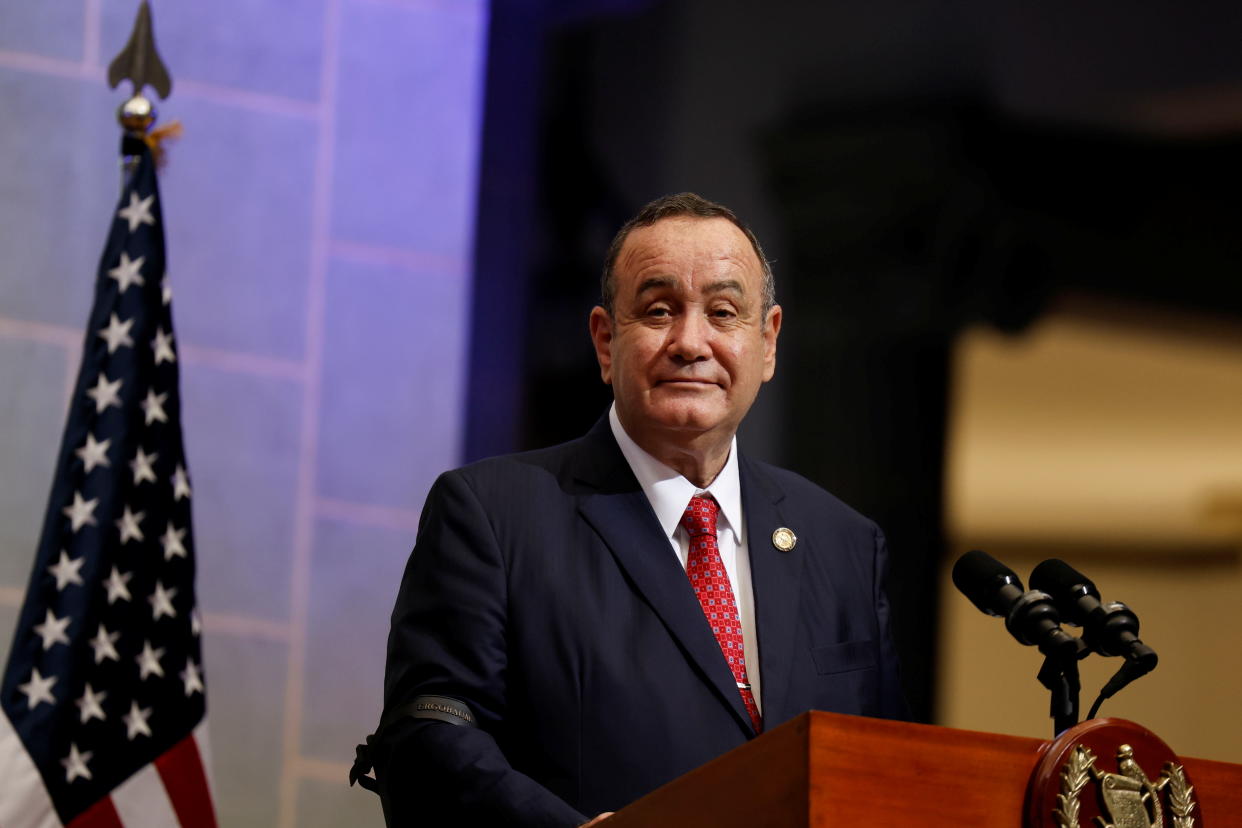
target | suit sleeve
x=892, y=699
x=448, y=638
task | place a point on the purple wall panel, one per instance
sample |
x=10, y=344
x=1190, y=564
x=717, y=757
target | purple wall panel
x=403, y=156
x=319, y=214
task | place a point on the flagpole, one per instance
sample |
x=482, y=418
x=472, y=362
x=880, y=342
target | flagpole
x=136, y=117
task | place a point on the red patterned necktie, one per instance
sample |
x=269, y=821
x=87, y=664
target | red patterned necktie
x=715, y=593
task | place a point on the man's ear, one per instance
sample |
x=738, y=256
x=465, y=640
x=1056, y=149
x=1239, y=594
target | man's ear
x=601, y=336
x=771, y=330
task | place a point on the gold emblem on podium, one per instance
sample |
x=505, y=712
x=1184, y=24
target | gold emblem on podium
x=1128, y=798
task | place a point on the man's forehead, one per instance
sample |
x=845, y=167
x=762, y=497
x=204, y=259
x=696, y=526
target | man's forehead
x=688, y=239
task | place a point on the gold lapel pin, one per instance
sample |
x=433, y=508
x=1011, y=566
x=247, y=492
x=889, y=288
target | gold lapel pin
x=784, y=539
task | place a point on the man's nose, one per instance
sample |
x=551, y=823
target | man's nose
x=690, y=338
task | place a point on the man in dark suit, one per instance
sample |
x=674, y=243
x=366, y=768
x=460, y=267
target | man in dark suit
x=582, y=624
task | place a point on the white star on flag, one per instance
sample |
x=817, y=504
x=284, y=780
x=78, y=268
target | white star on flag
x=67, y=571
x=162, y=345
x=149, y=661
x=104, y=642
x=105, y=393
x=161, y=602
x=75, y=764
x=141, y=464
x=167, y=292
x=192, y=677
x=128, y=524
x=128, y=272
x=136, y=721
x=117, y=333
x=181, y=484
x=138, y=211
x=38, y=689
x=173, y=547
x=94, y=453
x=153, y=407
x=117, y=585
x=196, y=622
x=52, y=630
x=82, y=512
x=91, y=704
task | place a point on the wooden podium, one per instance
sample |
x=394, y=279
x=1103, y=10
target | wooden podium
x=824, y=769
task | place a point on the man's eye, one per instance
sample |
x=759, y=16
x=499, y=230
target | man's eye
x=723, y=313
x=658, y=311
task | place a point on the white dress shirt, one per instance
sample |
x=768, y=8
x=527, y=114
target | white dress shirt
x=669, y=492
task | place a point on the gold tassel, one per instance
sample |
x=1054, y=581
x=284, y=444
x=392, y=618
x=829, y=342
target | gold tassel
x=157, y=139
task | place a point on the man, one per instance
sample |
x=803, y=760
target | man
x=582, y=624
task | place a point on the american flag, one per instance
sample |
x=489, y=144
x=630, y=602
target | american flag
x=103, y=697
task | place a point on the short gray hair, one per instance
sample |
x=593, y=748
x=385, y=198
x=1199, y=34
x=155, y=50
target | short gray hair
x=677, y=205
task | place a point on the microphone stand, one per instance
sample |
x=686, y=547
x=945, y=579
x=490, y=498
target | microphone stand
x=1060, y=675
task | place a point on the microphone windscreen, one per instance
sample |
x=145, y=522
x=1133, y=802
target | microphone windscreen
x=1060, y=580
x=979, y=577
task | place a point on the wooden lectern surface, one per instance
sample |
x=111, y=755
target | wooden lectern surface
x=825, y=769
x=876, y=772
x=1218, y=786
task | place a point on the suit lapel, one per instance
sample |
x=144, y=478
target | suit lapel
x=775, y=580
x=619, y=511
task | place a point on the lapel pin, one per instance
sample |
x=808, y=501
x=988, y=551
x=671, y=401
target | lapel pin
x=784, y=539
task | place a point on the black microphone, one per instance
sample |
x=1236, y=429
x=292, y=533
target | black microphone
x=1108, y=629
x=1031, y=617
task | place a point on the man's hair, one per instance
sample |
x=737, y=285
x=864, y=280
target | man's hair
x=688, y=205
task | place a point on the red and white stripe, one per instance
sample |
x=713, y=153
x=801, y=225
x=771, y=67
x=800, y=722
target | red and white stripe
x=173, y=791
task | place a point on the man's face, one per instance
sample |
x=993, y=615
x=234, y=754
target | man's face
x=688, y=345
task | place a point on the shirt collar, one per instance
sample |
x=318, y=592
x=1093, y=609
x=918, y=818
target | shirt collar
x=669, y=491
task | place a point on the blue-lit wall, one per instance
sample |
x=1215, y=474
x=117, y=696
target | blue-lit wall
x=320, y=224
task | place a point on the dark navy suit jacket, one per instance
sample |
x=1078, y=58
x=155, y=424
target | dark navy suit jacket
x=543, y=594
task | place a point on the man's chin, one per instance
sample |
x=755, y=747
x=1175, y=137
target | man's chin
x=687, y=419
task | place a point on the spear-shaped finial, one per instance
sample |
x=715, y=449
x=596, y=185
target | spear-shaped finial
x=139, y=62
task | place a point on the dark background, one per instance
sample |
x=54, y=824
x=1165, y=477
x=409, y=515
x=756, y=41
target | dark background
x=911, y=168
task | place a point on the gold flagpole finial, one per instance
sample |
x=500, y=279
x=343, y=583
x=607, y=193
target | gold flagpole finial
x=140, y=63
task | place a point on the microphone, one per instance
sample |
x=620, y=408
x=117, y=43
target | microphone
x=1031, y=617
x=1108, y=629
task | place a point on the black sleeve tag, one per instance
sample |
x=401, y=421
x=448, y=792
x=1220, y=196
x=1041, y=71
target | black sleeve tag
x=441, y=708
